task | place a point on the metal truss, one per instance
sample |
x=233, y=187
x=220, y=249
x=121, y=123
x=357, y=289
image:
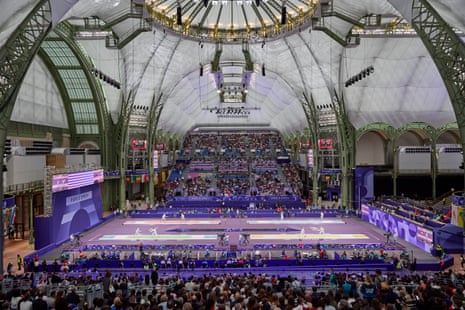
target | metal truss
x=448, y=53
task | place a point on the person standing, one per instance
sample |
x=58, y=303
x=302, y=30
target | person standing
x=154, y=276
x=39, y=303
x=19, y=260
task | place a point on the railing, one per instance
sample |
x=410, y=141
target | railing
x=24, y=187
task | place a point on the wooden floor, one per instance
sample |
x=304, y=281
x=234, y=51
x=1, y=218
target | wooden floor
x=11, y=248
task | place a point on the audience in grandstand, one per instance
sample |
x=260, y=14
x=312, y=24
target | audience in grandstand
x=327, y=290
x=226, y=160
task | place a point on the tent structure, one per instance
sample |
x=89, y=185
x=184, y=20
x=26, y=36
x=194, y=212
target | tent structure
x=311, y=55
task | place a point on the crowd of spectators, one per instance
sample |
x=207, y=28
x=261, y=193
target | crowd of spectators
x=292, y=178
x=233, y=166
x=233, y=145
x=269, y=183
x=233, y=185
x=433, y=218
x=327, y=290
x=202, y=165
x=228, y=157
x=197, y=186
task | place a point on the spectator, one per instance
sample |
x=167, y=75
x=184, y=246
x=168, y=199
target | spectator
x=39, y=303
x=19, y=261
x=72, y=298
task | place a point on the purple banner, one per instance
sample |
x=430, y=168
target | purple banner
x=8, y=201
x=400, y=227
x=363, y=185
x=458, y=200
x=73, y=211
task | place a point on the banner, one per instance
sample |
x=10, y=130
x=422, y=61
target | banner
x=139, y=145
x=325, y=143
x=456, y=217
x=73, y=211
x=400, y=227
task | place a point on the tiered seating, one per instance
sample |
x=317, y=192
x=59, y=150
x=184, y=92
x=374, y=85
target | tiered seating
x=174, y=179
x=234, y=162
x=233, y=166
x=233, y=145
x=176, y=173
x=292, y=179
x=263, y=165
x=411, y=212
x=259, y=144
x=233, y=185
x=269, y=183
x=206, y=145
x=197, y=186
x=202, y=165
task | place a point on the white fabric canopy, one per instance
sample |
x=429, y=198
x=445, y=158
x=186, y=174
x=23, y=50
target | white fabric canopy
x=405, y=86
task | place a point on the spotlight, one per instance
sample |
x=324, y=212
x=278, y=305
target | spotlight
x=372, y=69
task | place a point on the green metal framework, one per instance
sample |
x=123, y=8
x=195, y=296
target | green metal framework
x=120, y=141
x=15, y=58
x=328, y=11
x=90, y=110
x=154, y=116
x=424, y=131
x=20, y=49
x=448, y=52
x=79, y=99
x=45, y=56
x=346, y=133
x=312, y=119
x=135, y=11
x=84, y=101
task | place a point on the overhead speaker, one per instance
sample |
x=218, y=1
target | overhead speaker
x=263, y=70
x=283, y=15
x=179, y=15
x=201, y=70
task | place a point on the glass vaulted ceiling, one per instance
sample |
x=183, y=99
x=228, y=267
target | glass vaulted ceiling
x=230, y=20
x=76, y=84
